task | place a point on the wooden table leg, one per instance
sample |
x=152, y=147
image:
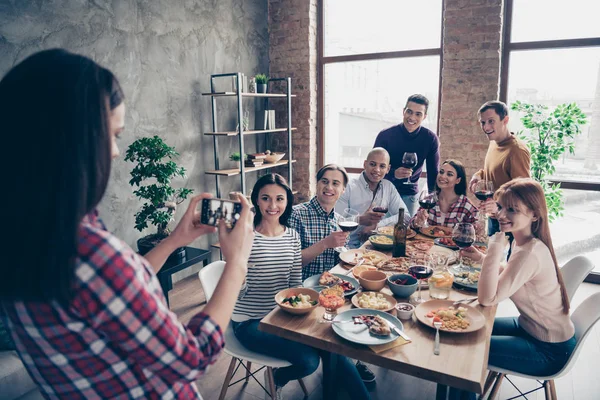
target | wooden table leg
x=441, y=392
x=329, y=367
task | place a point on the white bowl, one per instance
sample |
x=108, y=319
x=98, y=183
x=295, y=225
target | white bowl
x=405, y=314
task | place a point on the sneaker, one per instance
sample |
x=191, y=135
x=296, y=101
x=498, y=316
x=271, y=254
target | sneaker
x=278, y=389
x=365, y=373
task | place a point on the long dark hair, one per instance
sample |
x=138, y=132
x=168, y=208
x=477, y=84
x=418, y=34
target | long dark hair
x=54, y=111
x=461, y=187
x=531, y=194
x=272, y=179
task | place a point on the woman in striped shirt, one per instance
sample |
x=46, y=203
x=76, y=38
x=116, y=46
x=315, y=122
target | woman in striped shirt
x=275, y=264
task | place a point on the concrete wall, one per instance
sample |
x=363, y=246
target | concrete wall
x=163, y=52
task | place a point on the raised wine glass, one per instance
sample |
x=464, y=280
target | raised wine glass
x=348, y=222
x=427, y=200
x=463, y=235
x=484, y=189
x=409, y=160
x=421, y=267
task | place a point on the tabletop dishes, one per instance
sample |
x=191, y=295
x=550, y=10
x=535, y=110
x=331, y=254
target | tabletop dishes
x=374, y=301
x=371, y=257
x=382, y=242
x=372, y=280
x=474, y=317
x=402, y=285
x=436, y=231
x=297, y=301
x=359, y=333
x=313, y=281
x=466, y=277
x=405, y=310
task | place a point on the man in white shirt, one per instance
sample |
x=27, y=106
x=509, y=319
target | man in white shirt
x=368, y=194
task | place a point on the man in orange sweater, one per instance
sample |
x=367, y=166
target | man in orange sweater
x=507, y=157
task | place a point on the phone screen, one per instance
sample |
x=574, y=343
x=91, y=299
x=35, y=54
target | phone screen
x=214, y=210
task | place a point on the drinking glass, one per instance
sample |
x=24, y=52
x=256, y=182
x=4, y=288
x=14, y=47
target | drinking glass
x=409, y=160
x=463, y=235
x=421, y=267
x=427, y=200
x=381, y=205
x=348, y=222
x=484, y=189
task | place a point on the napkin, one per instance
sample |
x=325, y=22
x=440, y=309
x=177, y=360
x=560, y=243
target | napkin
x=380, y=348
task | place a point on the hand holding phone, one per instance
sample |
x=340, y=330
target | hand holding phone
x=215, y=210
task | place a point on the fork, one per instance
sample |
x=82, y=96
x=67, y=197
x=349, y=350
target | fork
x=436, y=345
x=464, y=301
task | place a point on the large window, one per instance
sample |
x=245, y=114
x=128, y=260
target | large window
x=372, y=58
x=551, y=56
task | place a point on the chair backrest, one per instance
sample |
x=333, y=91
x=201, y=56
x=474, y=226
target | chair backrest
x=584, y=318
x=574, y=272
x=209, y=277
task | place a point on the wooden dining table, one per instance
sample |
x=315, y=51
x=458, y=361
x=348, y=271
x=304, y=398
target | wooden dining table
x=462, y=362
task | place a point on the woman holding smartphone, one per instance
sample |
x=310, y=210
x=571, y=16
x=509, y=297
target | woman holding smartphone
x=87, y=313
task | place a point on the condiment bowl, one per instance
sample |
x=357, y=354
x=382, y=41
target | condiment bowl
x=405, y=290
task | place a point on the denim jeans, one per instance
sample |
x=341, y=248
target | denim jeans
x=412, y=203
x=514, y=349
x=304, y=359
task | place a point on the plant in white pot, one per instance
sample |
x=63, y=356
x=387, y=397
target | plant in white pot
x=155, y=169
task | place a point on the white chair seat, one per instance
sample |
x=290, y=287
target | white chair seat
x=234, y=348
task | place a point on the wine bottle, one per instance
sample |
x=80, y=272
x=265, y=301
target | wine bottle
x=399, y=249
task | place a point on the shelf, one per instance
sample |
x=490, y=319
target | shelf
x=251, y=132
x=221, y=94
x=236, y=171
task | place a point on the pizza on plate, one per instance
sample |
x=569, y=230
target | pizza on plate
x=397, y=264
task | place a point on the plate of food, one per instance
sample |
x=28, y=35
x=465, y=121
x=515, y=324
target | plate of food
x=374, y=301
x=382, y=242
x=364, y=326
x=446, y=242
x=418, y=246
x=466, y=277
x=297, y=300
x=370, y=257
x=389, y=231
x=436, y=231
x=396, y=265
x=347, y=283
x=461, y=319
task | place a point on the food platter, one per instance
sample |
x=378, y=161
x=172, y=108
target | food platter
x=353, y=256
x=360, y=333
x=390, y=299
x=475, y=318
x=436, y=231
x=462, y=275
x=389, y=231
x=313, y=281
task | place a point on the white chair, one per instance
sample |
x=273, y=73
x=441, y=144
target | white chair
x=209, y=277
x=584, y=318
x=574, y=272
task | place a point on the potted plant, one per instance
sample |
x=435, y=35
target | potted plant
x=155, y=168
x=549, y=134
x=261, y=83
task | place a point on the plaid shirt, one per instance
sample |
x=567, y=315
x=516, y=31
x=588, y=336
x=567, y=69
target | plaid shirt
x=314, y=224
x=462, y=210
x=117, y=338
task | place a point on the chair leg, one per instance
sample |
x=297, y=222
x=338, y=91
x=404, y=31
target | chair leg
x=248, y=365
x=303, y=386
x=227, y=378
x=488, y=383
x=496, y=387
x=553, y=390
x=271, y=383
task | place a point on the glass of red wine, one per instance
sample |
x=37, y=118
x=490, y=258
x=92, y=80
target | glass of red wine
x=348, y=222
x=463, y=235
x=427, y=200
x=409, y=160
x=380, y=205
x=421, y=267
x=484, y=189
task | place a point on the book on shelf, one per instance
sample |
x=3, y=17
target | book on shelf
x=256, y=156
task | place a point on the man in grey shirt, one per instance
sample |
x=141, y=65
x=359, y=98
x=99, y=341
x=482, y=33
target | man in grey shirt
x=376, y=199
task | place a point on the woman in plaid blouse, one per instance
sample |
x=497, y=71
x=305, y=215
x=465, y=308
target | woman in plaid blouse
x=86, y=312
x=452, y=206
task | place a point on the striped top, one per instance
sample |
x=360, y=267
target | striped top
x=275, y=264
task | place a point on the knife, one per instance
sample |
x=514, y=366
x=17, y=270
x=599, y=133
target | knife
x=398, y=331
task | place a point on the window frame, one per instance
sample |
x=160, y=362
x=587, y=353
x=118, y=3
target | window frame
x=323, y=60
x=507, y=48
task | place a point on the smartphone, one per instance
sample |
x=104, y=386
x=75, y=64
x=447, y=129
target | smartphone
x=214, y=210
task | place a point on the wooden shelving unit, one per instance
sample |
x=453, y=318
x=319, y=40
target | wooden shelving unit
x=242, y=170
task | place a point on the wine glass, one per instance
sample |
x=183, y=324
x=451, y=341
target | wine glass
x=427, y=200
x=348, y=222
x=381, y=205
x=409, y=160
x=484, y=189
x=421, y=267
x=463, y=235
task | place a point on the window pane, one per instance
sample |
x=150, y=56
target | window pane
x=535, y=20
x=554, y=77
x=363, y=98
x=357, y=27
x=578, y=231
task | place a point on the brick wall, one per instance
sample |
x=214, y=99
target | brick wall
x=293, y=53
x=470, y=76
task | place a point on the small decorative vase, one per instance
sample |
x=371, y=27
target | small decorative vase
x=261, y=88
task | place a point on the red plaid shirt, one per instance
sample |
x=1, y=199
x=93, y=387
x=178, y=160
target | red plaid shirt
x=462, y=210
x=117, y=338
